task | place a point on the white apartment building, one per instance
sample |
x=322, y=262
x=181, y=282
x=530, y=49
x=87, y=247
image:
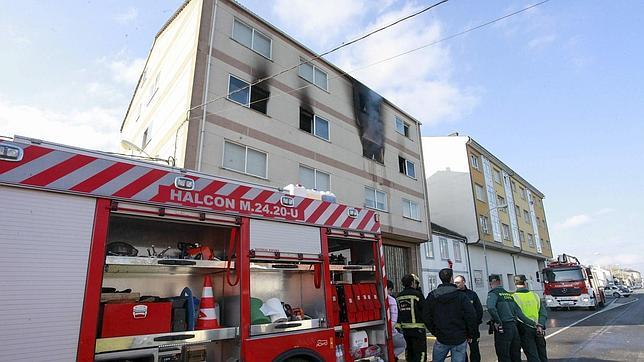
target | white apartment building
x=204, y=100
x=446, y=248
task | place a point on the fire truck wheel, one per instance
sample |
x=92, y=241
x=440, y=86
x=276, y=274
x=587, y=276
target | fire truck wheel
x=299, y=355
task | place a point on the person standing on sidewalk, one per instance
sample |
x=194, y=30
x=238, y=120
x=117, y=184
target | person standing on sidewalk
x=397, y=337
x=450, y=316
x=504, y=312
x=410, y=311
x=475, y=353
x=533, y=340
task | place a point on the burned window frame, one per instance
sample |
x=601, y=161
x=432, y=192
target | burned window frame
x=253, y=100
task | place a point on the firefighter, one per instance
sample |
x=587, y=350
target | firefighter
x=410, y=311
x=533, y=340
x=504, y=312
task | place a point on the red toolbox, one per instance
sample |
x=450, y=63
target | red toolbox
x=368, y=302
x=335, y=320
x=361, y=313
x=350, y=303
x=131, y=319
x=374, y=299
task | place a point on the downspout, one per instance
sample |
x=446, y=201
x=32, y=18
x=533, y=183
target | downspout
x=202, y=125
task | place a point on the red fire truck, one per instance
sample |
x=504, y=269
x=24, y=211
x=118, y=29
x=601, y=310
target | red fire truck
x=108, y=258
x=569, y=284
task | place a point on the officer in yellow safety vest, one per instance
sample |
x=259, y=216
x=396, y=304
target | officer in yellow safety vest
x=410, y=319
x=533, y=340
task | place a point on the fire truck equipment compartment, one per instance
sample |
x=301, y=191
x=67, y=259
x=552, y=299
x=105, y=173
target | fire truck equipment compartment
x=128, y=319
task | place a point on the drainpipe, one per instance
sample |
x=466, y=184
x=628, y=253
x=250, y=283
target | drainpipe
x=202, y=125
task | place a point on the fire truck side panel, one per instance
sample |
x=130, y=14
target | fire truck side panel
x=269, y=348
x=45, y=240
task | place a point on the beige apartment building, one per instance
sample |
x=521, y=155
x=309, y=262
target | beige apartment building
x=200, y=102
x=475, y=194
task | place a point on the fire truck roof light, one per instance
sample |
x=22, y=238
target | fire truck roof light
x=287, y=201
x=184, y=183
x=352, y=213
x=11, y=153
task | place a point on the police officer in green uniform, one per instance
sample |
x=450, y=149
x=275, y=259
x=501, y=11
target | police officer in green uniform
x=533, y=340
x=504, y=312
x=410, y=312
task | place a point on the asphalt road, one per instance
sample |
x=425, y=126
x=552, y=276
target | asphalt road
x=613, y=333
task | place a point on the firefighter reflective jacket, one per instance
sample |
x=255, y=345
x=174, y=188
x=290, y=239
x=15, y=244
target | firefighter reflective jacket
x=410, y=310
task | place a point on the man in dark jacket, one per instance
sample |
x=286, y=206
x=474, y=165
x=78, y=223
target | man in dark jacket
x=475, y=353
x=410, y=311
x=450, y=316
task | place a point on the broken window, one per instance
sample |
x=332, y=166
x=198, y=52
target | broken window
x=314, y=124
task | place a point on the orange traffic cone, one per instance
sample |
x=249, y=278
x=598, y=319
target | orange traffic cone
x=207, y=313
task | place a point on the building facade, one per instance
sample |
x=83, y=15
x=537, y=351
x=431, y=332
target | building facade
x=445, y=249
x=207, y=99
x=475, y=194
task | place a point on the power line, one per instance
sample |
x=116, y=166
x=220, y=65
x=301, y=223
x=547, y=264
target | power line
x=323, y=54
x=343, y=73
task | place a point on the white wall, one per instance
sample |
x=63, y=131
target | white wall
x=451, y=201
x=501, y=263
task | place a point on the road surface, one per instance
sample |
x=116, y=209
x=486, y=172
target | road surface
x=614, y=333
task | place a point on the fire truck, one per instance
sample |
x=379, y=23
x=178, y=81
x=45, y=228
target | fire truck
x=569, y=284
x=110, y=258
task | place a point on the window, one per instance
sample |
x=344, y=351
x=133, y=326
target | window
x=145, y=139
x=432, y=280
x=407, y=167
x=375, y=199
x=457, y=251
x=313, y=74
x=478, y=278
x=254, y=97
x=538, y=221
x=444, y=247
x=483, y=220
x=500, y=200
x=155, y=87
x=429, y=249
x=523, y=193
x=506, y=231
x=497, y=176
x=252, y=38
x=475, y=161
x=518, y=213
x=410, y=209
x=244, y=159
x=402, y=127
x=314, y=179
x=480, y=194
x=314, y=125
x=522, y=236
x=530, y=240
x=513, y=186
x=526, y=216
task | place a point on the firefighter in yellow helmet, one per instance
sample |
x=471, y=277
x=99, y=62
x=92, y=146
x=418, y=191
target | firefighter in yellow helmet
x=533, y=342
x=410, y=311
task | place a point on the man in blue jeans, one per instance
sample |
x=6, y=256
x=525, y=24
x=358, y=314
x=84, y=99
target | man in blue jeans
x=450, y=316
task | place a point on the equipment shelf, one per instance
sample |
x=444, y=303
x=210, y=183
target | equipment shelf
x=164, y=339
x=133, y=264
x=352, y=268
x=361, y=325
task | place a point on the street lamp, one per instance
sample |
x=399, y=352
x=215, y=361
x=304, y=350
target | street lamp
x=487, y=269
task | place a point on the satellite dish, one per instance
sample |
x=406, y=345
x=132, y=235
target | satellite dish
x=131, y=146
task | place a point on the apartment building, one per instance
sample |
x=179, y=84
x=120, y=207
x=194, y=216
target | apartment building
x=446, y=249
x=207, y=101
x=475, y=194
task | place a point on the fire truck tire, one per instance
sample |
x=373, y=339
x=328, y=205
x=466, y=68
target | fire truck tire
x=299, y=355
